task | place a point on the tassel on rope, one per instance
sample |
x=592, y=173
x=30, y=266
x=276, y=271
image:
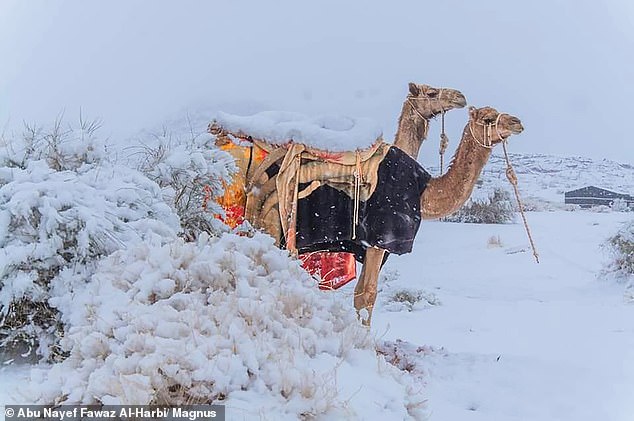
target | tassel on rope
x=444, y=142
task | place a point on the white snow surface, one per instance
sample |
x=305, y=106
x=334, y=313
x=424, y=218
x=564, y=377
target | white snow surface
x=226, y=316
x=507, y=339
x=330, y=132
x=512, y=339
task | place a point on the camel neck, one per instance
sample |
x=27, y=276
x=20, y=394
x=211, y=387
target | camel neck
x=447, y=193
x=412, y=130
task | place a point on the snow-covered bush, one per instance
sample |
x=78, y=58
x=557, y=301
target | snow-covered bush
x=229, y=320
x=93, y=273
x=620, y=267
x=494, y=241
x=407, y=356
x=600, y=209
x=190, y=171
x=63, y=206
x=496, y=209
x=536, y=204
x=620, y=205
x=62, y=147
x=410, y=299
x=621, y=249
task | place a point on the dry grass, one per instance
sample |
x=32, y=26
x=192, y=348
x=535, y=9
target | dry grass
x=494, y=241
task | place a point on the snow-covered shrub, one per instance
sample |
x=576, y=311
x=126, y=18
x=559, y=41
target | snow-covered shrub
x=496, y=209
x=620, y=205
x=536, y=204
x=600, y=209
x=229, y=320
x=62, y=147
x=190, y=170
x=410, y=299
x=621, y=249
x=63, y=206
x=621, y=264
x=407, y=356
x=494, y=241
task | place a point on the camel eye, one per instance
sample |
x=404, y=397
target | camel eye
x=432, y=94
x=489, y=120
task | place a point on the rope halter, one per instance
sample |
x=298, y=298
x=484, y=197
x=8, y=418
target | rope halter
x=444, y=140
x=487, y=130
x=418, y=113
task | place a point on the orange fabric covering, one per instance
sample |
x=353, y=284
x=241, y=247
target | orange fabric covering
x=235, y=199
x=334, y=269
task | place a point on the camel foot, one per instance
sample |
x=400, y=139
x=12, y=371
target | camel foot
x=365, y=316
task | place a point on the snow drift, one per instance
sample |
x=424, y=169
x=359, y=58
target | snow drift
x=228, y=320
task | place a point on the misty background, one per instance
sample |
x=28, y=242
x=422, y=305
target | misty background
x=563, y=67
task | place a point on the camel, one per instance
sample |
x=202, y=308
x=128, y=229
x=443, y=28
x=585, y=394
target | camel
x=435, y=197
x=445, y=194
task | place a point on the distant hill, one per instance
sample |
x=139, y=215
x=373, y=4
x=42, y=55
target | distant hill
x=547, y=177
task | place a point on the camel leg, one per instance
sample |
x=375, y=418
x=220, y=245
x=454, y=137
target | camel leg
x=366, y=289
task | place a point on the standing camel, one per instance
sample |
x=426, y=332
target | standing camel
x=445, y=194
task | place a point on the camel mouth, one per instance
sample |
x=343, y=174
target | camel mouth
x=459, y=101
x=515, y=125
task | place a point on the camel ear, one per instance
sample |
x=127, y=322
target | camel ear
x=473, y=111
x=413, y=89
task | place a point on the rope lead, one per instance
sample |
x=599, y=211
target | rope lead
x=512, y=177
x=444, y=142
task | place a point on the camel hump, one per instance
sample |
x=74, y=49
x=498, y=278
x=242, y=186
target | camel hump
x=324, y=133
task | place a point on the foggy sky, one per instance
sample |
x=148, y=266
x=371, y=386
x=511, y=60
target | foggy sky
x=563, y=67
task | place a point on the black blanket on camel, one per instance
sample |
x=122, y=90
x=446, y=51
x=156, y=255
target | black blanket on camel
x=389, y=219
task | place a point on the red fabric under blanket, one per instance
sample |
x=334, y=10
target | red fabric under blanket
x=334, y=269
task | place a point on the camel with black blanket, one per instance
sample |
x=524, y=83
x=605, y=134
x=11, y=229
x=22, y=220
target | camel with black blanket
x=368, y=202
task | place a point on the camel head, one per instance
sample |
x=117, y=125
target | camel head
x=430, y=101
x=489, y=127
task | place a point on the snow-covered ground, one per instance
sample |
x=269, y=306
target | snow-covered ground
x=505, y=338
x=512, y=339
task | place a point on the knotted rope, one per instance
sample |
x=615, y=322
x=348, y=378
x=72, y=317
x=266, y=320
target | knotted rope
x=444, y=142
x=510, y=175
x=425, y=119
